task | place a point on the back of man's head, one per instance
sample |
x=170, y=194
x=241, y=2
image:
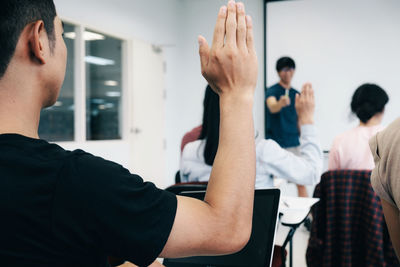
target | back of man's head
x=14, y=16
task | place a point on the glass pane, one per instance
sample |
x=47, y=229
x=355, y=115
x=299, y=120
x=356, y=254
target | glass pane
x=57, y=122
x=103, y=86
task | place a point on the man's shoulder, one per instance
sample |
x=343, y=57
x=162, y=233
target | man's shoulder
x=274, y=87
x=90, y=167
x=295, y=90
x=274, y=90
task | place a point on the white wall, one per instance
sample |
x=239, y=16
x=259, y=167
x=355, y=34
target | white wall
x=175, y=25
x=338, y=45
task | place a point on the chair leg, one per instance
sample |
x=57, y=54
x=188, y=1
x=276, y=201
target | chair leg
x=288, y=239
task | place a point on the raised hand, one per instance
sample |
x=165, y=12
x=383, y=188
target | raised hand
x=230, y=65
x=305, y=105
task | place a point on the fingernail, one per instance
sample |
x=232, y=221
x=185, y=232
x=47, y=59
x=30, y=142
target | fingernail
x=223, y=10
x=231, y=3
x=240, y=6
x=200, y=40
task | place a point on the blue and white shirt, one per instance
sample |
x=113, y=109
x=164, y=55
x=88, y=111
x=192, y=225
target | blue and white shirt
x=272, y=160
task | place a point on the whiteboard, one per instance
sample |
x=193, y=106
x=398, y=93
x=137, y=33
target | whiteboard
x=337, y=45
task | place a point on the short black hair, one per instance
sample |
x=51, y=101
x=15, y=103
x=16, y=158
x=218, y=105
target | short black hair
x=14, y=16
x=285, y=62
x=368, y=100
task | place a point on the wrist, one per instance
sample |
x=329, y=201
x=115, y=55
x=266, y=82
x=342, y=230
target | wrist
x=231, y=103
x=237, y=98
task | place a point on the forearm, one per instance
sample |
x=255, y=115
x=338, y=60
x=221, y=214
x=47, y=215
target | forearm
x=311, y=152
x=231, y=186
x=274, y=108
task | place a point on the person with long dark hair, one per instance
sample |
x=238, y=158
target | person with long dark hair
x=350, y=150
x=272, y=160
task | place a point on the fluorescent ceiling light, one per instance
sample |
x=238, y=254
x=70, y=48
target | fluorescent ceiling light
x=113, y=94
x=99, y=61
x=111, y=83
x=92, y=36
x=87, y=36
x=70, y=35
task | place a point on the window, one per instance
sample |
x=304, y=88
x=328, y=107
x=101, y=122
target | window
x=90, y=103
x=103, y=86
x=57, y=122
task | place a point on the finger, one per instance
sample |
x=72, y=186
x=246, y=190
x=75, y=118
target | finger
x=219, y=31
x=312, y=93
x=297, y=100
x=309, y=90
x=231, y=25
x=304, y=88
x=250, y=35
x=241, y=28
x=204, y=52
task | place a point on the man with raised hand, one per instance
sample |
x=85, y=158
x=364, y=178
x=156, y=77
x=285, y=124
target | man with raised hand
x=70, y=208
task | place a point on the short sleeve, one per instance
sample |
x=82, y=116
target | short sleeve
x=378, y=182
x=272, y=92
x=114, y=210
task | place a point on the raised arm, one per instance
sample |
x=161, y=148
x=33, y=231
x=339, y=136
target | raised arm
x=222, y=223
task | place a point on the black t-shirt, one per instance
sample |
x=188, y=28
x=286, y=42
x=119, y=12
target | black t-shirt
x=63, y=208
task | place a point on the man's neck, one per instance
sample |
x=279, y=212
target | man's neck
x=285, y=85
x=19, y=112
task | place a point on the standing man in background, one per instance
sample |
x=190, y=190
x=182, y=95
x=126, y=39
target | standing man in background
x=281, y=117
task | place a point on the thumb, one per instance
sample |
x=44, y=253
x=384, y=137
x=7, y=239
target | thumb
x=204, y=51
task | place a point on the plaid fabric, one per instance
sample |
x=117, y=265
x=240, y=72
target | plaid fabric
x=348, y=227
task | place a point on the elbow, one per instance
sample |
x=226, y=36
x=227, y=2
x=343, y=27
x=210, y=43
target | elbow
x=238, y=241
x=234, y=238
x=316, y=178
x=313, y=177
x=316, y=175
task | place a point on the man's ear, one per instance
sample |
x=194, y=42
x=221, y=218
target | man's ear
x=37, y=42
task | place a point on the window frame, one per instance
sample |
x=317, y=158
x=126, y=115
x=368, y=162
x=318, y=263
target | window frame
x=80, y=92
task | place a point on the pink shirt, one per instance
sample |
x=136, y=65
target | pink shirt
x=351, y=151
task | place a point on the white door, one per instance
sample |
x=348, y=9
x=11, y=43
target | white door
x=147, y=130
